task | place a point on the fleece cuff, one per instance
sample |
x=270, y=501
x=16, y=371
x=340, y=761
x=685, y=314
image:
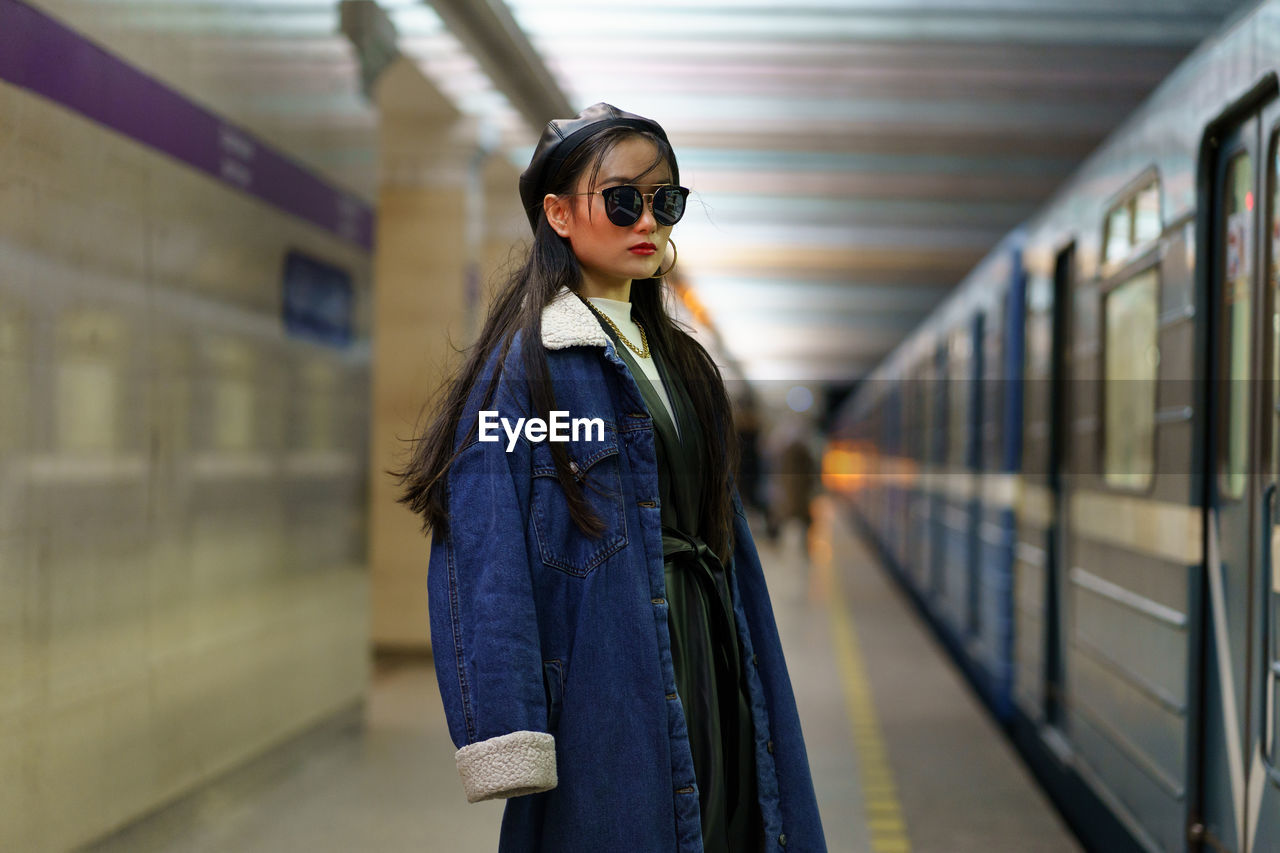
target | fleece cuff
x=509, y=765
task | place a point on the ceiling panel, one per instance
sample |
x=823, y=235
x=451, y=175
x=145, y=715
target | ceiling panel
x=851, y=160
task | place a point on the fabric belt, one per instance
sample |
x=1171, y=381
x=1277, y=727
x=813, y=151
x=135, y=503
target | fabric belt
x=677, y=542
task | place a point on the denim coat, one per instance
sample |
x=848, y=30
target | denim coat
x=552, y=649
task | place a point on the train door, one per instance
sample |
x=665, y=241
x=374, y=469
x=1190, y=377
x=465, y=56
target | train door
x=973, y=465
x=1039, y=613
x=938, y=389
x=902, y=399
x=924, y=435
x=1055, y=616
x=1032, y=548
x=1263, y=781
x=928, y=429
x=958, y=483
x=1239, y=779
x=897, y=443
x=915, y=389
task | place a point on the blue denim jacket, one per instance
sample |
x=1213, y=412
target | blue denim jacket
x=552, y=648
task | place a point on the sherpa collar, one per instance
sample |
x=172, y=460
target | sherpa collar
x=567, y=322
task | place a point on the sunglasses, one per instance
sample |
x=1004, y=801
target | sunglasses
x=624, y=204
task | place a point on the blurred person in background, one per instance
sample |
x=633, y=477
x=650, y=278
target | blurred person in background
x=794, y=483
x=750, y=466
x=605, y=645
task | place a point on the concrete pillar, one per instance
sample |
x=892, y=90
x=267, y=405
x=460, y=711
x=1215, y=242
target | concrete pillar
x=423, y=252
x=505, y=239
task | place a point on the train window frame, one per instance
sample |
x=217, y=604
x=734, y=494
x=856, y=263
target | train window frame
x=1226, y=486
x=1126, y=201
x=1148, y=262
x=1271, y=291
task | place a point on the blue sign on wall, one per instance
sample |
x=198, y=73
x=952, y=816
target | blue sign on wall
x=319, y=300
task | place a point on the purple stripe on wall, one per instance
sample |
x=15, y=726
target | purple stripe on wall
x=40, y=54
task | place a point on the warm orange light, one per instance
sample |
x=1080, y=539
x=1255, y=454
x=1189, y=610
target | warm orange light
x=844, y=468
x=694, y=304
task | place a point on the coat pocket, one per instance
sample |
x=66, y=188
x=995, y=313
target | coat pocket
x=553, y=681
x=561, y=544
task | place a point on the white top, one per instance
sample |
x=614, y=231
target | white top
x=620, y=313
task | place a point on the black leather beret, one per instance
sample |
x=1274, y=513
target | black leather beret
x=559, y=139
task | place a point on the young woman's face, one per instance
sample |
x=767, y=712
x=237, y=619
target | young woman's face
x=611, y=255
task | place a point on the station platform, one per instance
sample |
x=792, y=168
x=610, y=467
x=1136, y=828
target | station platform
x=904, y=757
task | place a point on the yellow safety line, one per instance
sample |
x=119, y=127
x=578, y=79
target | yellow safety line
x=885, y=825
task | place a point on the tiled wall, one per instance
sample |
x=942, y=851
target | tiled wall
x=182, y=486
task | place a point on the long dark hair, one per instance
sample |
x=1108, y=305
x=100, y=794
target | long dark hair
x=551, y=265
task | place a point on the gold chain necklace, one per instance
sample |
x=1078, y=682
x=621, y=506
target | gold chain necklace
x=642, y=351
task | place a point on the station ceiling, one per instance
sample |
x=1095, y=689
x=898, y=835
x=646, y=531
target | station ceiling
x=851, y=160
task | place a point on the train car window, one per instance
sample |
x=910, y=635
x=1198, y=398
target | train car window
x=1039, y=298
x=938, y=388
x=1273, y=228
x=1130, y=359
x=923, y=426
x=1132, y=224
x=910, y=412
x=958, y=404
x=1236, y=310
x=1035, y=366
x=928, y=422
x=992, y=390
x=904, y=400
x=1146, y=215
x=1118, y=229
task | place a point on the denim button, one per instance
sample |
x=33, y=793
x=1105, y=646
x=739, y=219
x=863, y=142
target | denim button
x=647, y=503
x=755, y=660
x=769, y=746
x=658, y=600
x=782, y=839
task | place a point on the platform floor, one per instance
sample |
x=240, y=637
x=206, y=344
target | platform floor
x=903, y=756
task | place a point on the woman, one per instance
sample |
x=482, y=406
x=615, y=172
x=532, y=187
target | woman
x=604, y=642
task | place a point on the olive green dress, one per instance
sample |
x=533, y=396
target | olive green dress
x=704, y=638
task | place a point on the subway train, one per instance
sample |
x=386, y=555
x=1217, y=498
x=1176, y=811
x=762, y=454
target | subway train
x=1071, y=466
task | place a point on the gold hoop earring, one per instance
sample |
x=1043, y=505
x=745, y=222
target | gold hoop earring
x=675, y=253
